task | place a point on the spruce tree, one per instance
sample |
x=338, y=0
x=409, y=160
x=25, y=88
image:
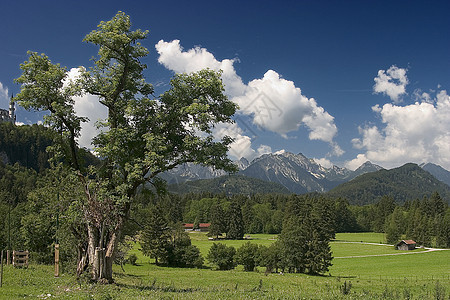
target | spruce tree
x=155, y=236
x=235, y=222
x=217, y=220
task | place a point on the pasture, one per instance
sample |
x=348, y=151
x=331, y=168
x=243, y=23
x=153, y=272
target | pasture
x=421, y=275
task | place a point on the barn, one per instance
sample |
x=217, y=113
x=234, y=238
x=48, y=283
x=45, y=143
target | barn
x=406, y=245
x=203, y=227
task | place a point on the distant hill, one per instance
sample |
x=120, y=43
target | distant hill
x=230, y=185
x=438, y=172
x=25, y=145
x=407, y=182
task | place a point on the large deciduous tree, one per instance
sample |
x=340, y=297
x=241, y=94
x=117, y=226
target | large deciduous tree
x=141, y=137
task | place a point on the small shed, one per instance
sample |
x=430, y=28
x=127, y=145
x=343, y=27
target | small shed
x=406, y=245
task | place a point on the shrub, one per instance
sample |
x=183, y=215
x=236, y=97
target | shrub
x=222, y=256
x=247, y=255
x=132, y=258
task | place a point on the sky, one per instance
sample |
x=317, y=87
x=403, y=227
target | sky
x=343, y=82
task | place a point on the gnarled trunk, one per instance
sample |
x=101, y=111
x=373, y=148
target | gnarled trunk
x=100, y=259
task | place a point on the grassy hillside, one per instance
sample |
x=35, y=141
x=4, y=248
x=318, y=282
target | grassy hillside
x=408, y=182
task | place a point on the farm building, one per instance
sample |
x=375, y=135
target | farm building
x=406, y=245
x=203, y=227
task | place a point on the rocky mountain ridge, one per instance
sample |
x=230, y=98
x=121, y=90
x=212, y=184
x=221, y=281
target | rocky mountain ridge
x=296, y=172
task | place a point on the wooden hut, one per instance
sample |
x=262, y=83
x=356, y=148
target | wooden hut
x=406, y=245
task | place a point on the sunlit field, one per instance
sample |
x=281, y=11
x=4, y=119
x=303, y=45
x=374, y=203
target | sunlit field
x=410, y=276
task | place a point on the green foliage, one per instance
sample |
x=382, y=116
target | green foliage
x=222, y=256
x=235, y=228
x=53, y=215
x=25, y=145
x=200, y=210
x=394, y=226
x=218, y=223
x=304, y=240
x=169, y=246
x=270, y=257
x=132, y=258
x=155, y=235
x=248, y=256
x=141, y=137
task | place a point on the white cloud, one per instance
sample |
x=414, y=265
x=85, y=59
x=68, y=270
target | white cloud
x=264, y=149
x=4, y=96
x=419, y=132
x=391, y=83
x=278, y=105
x=172, y=56
x=242, y=145
x=419, y=95
x=324, y=162
x=90, y=107
x=274, y=103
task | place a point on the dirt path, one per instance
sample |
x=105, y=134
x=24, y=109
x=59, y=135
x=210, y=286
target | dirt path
x=377, y=244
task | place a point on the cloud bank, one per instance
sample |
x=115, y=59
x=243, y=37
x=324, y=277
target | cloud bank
x=418, y=132
x=273, y=103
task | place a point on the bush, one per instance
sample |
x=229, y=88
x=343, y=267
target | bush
x=222, y=256
x=132, y=258
x=247, y=255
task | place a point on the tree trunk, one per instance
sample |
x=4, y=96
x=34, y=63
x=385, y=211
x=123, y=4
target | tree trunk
x=101, y=259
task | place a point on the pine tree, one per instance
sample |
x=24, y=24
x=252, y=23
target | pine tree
x=155, y=236
x=217, y=220
x=394, y=226
x=235, y=222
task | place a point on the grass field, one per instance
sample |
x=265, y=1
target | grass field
x=412, y=276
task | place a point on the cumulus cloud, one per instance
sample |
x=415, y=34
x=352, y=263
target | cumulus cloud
x=4, y=96
x=391, y=82
x=324, y=162
x=278, y=105
x=242, y=145
x=419, y=132
x=273, y=103
x=172, y=56
x=90, y=107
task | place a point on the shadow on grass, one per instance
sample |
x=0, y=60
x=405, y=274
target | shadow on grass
x=153, y=286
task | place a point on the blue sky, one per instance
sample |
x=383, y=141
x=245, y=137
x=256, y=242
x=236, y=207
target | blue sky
x=339, y=81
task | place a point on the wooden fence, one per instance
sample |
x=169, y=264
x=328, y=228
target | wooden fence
x=20, y=258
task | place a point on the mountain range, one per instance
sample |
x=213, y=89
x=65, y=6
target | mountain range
x=299, y=174
x=295, y=172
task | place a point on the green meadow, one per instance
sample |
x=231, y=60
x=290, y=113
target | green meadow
x=420, y=275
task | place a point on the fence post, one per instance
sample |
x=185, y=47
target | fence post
x=56, y=260
x=8, y=257
x=1, y=270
